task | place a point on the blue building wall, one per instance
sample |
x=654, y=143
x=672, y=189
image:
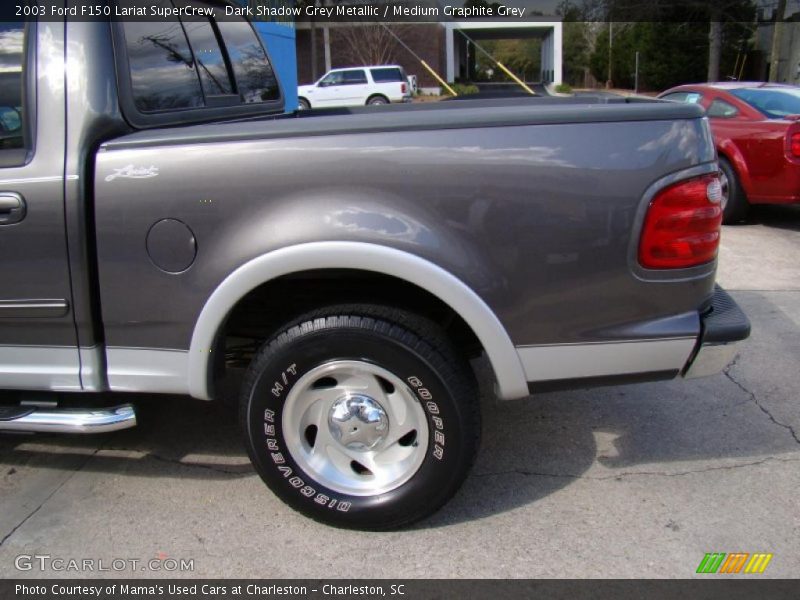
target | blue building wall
x=279, y=39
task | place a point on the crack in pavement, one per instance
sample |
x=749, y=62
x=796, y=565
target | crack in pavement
x=215, y=468
x=94, y=453
x=235, y=470
x=50, y=495
x=754, y=398
x=751, y=396
x=635, y=473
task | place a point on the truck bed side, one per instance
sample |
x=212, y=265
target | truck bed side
x=534, y=208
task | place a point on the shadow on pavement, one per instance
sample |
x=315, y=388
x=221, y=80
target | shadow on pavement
x=778, y=216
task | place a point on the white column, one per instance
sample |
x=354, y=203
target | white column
x=326, y=36
x=558, y=64
x=449, y=52
x=545, y=58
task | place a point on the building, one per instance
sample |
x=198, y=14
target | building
x=445, y=46
x=789, y=51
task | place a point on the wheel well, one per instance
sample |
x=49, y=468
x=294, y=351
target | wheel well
x=264, y=310
x=378, y=96
x=741, y=177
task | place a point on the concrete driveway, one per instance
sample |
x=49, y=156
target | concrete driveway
x=636, y=481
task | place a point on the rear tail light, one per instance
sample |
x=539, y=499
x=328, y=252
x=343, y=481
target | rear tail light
x=403, y=88
x=794, y=144
x=682, y=225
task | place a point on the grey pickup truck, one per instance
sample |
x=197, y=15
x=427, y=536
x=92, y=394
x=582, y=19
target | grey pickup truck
x=163, y=223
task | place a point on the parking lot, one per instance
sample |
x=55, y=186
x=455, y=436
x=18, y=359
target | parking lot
x=634, y=481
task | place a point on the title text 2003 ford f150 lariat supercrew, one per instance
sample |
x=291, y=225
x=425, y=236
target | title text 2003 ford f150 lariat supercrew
x=159, y=213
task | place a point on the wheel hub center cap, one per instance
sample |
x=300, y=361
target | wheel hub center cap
x=358, y=422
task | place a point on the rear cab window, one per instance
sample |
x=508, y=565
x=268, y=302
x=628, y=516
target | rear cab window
x=163, y=74
x=211, y=64
x=254, y=75
x=193, y=69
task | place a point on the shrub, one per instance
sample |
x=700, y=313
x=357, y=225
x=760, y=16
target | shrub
x=462, y=89
x=564, y=88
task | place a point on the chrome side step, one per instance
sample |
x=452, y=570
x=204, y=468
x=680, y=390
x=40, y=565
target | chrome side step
x=71, y=420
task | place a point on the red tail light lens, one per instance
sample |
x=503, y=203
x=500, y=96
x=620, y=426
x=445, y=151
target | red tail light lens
x=794, y=144
x=403, y=88
x=682, y=225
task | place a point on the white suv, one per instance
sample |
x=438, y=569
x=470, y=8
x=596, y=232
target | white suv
x=356, y=86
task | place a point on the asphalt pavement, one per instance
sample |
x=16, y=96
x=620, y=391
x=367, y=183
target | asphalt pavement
x=631, y=481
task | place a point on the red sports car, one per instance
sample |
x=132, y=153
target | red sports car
x=756, y=128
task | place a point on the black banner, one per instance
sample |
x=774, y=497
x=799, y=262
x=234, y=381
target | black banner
x=335, y=589
x=391, y=11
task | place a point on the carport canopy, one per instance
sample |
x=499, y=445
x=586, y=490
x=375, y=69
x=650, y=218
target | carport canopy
x=551, y=33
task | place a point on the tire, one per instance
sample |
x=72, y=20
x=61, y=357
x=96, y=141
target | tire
x=375, y=100
x=736, y=207
x=361, y=416
x=303, y=104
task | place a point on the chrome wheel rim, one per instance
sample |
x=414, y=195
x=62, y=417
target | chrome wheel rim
x=725, y=185
x=355, y=427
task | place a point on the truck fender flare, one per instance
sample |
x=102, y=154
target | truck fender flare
x=511, y=381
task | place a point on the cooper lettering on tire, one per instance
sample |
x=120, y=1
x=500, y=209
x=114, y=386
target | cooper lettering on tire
x=361, y=416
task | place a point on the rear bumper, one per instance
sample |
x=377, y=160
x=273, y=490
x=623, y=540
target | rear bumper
x=723, y=326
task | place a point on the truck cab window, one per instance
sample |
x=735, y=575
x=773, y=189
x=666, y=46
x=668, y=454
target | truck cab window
x=254, y=74
x=162, y=68
x=208, y=55
x=12, y=112
x=196, y=63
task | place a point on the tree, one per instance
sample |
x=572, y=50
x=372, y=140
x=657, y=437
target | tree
x=726, y=24
x=575, y=42
x=679, y=41
x=714, y=48
x=369, y=44
x=777, y=31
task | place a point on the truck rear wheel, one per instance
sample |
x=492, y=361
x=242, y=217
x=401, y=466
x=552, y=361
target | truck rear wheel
x=361, y=416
